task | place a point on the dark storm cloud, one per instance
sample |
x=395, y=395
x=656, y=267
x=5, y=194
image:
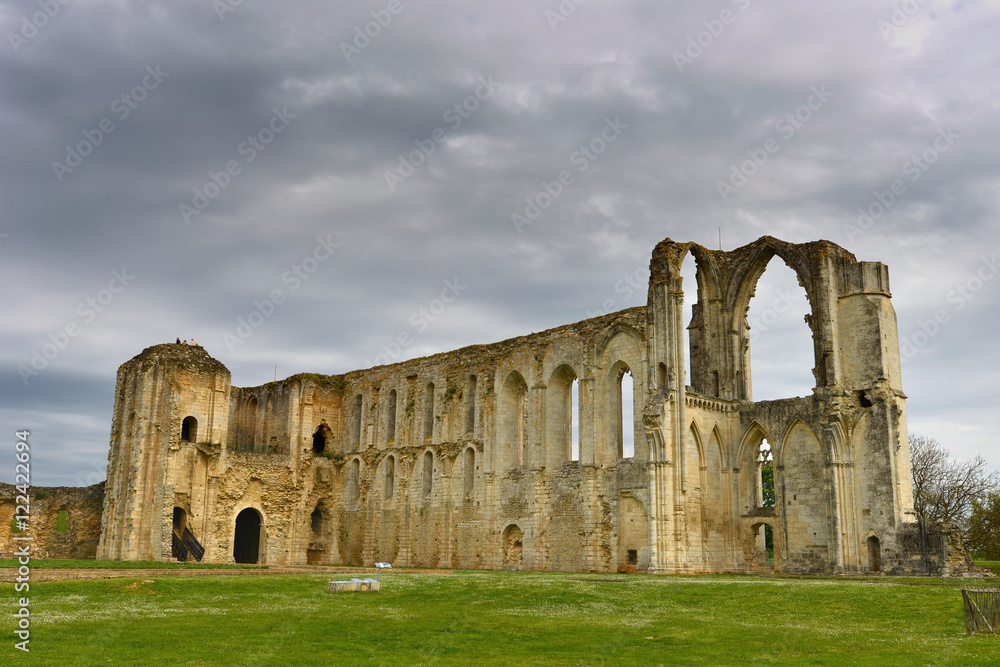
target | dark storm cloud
x=351, y=109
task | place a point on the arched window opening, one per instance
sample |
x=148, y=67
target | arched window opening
x=470, y=404
x=248, y=436
x=765, y=475
x=561, y=418
x=769, y=543
x=574, y=401
x=429, y=411
x=626, y=415
x=354, y=481
x=661, y=376
x=390, y=477
x=428, y=474
x=316, y=522
x=390, y=420
x=513, y=415
x=692, y=344
x=62, y=522
x=247, y=537
x=189, y=429
x=874, y=554
x=469, y=470
x=356, y=424
x=320, y=438
x=781, y=354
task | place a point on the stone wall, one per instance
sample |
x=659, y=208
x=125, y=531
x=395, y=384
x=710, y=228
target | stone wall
x=467, y=459
x=64, y=522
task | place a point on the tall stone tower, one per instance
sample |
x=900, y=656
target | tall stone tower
x=167, y=395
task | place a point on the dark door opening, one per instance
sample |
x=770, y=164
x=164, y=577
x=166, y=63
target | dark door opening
x=246, y=542
x=874, y=554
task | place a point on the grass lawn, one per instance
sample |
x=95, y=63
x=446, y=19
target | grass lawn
x=494, y=618
x=91, y=564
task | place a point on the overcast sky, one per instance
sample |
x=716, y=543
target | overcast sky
x=174, y=163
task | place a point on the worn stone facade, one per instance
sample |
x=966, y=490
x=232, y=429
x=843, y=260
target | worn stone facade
x=63, y=521
x=466, y=459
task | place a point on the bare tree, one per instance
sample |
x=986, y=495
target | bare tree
x=944, y=489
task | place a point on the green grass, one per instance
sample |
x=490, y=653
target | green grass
x=992, y=564
x=495, y=618
x=90, y=564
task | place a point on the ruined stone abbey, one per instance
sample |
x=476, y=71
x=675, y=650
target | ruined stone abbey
x=466, y=459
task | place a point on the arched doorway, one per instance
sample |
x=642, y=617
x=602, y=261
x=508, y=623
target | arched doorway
x=180, y=521
x=246, y=541
x=513, y=547
x=874, y=554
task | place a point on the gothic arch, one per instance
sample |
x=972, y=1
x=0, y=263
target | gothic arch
x=743, y=281
x=779, y=449
x=706, y=272
x=743, y=285
x=697, y=439
x=723, y=444
x=511, y=418
x=747, y=450
x=558, y=430
x=806, y=499
x=620, y=328
x=749, y=478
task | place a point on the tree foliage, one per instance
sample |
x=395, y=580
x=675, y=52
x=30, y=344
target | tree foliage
x=946, y=490
x=983, y=536
x=767, y=483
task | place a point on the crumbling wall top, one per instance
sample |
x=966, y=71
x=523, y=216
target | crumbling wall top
x=187, y=357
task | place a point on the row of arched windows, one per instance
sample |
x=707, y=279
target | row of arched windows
x=428, y=413
x=562, y=423
x=388, y=475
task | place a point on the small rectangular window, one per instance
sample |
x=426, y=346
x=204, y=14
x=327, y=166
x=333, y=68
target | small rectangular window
x=62, y=523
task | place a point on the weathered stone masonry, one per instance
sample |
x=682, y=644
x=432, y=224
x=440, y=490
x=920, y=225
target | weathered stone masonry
x=464, y=459
x=63, y=521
